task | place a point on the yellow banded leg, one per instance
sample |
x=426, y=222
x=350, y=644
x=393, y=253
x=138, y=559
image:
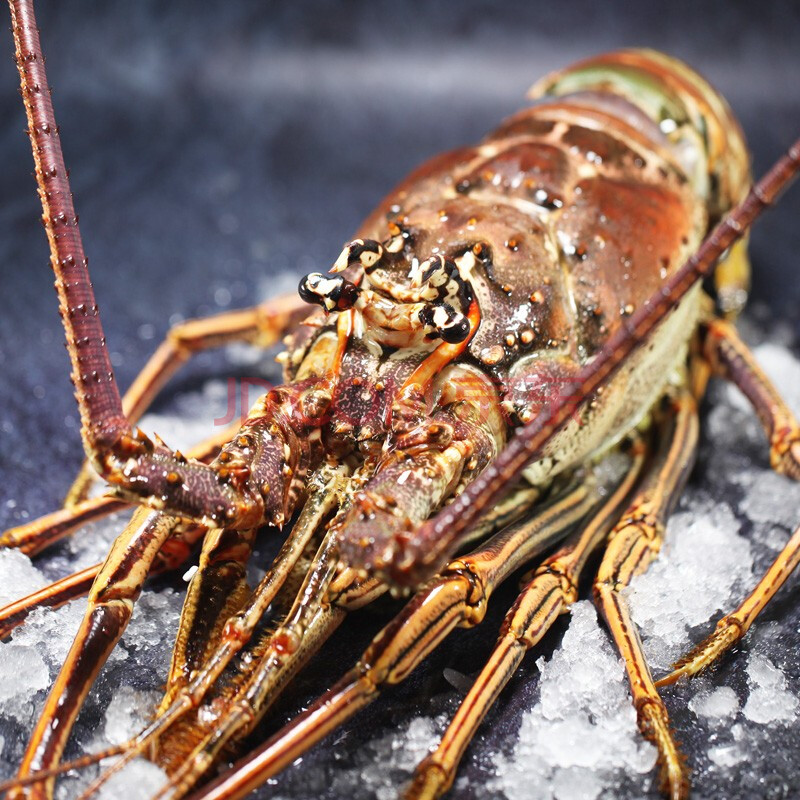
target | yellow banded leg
x=732, y=627
x=633, y=544
x=311, y=620
x=262, y=325
x=731, y=358
x=208, y=638
x=548, y=592
x=457, y=596
x=111, y=601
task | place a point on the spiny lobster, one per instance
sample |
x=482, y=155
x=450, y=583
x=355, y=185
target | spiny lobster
x=509, y=316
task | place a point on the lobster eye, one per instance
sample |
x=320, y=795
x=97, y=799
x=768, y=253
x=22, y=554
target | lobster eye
x=333, y=294
x=444, y=321
x=455, y=331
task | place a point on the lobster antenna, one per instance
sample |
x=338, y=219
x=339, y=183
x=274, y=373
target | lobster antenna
x=102, y=417
x=437, y=538
x=66, y=766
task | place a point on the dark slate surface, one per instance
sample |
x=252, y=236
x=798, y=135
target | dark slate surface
x=212, y=146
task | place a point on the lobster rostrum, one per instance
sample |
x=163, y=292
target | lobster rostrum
x=513, y=315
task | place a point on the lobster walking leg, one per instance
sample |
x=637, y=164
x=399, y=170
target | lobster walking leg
x=35, y=536
x=262, y=325
x=217, y=589
x=111, y=602
x=310, y=621
x=52, y=596
x=207, y=641
x=173, y=553
x=313, y=617
x=733, y=626
x=458, y=596
x=548, y=592
x=730, y=357
x=235, y=631
x=633, y=544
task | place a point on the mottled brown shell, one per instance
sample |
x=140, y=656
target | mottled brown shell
x=563, y=221
x=576, y=217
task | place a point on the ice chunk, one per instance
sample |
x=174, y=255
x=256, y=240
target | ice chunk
x=726, y=755
x=127, y=712
x=679, y=591
x=155, y=622
x=51, y=631
x=717, y=706
x=581, y=736
x=23, y=673
x=770, y=700
x=773, y=499
x=573, y=783
x=138, y=780
x=18, y=576
x=389, y=760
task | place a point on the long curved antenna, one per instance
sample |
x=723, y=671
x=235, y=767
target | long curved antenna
x=145, y=471
x=430, y=546
x=96, y=390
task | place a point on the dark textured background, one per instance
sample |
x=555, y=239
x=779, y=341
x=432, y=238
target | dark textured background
x=214, y=145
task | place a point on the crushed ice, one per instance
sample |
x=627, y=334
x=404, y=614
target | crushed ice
x=578, y=738
x=769, y=700
x=706, y=567
x=582, y=732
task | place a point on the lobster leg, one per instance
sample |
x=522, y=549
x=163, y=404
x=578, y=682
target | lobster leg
x=184, y=692
x=208, y=639
x=309, y=623
x=173, y=553
x=733, y=626
x=730, y=357
x=111, y=601
x=305, y=628
x=262, y=325
x=633, y=544
x=458, y=596
x=217, y=589
x=548, y=592
x=35, y=536
x=52, y=596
